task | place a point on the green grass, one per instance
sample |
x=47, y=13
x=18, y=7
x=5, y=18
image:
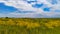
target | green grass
x=9, y=29
x=18, y=29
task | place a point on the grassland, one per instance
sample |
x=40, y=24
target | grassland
x=29, y=25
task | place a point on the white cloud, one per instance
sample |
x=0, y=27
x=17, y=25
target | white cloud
x=20, y=4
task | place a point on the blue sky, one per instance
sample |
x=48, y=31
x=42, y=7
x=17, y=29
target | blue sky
x=4, y=9
x=30, y=8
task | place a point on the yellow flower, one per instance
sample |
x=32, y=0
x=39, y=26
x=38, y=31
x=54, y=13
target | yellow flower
x=33, y=25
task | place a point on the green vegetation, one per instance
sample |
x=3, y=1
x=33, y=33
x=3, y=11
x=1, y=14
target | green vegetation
x=29, y=25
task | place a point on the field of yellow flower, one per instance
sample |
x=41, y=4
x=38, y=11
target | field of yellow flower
x=29, y=25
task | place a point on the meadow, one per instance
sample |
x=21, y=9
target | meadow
x=29, y=25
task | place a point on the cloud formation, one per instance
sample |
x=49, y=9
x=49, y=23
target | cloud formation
x=32, y=8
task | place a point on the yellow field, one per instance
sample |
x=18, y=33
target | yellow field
x=29, y=25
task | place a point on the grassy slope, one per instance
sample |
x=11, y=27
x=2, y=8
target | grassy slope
x=29, y=26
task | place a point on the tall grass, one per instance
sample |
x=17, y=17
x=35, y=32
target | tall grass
x=29, y=26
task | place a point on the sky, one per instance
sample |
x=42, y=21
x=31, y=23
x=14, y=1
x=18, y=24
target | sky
x=30, y=8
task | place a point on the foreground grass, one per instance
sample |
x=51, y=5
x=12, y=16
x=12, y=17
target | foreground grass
x=29, y=26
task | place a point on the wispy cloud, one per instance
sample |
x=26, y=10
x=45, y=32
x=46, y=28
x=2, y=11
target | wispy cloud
x=29, y=8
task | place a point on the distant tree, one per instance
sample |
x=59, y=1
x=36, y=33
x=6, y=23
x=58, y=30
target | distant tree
x=6, y=17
